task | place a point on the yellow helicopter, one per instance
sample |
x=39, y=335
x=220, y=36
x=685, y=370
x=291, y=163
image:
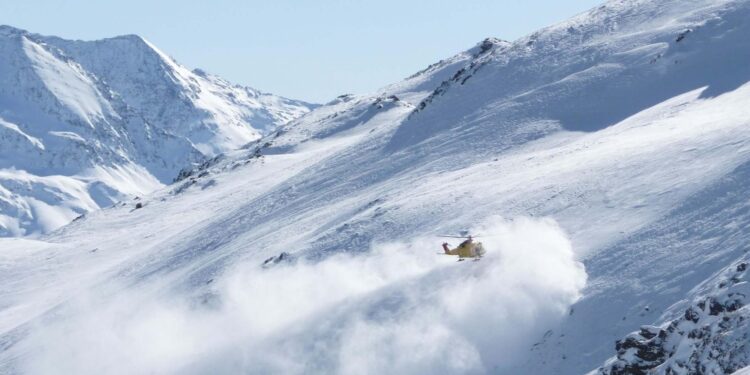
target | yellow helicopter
x=467, y=249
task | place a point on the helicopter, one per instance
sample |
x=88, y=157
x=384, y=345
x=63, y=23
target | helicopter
x=467, y=249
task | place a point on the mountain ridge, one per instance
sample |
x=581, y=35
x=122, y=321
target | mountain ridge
x=117, y=116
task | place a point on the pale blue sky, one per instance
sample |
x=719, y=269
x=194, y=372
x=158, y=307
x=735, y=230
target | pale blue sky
x=311, y=50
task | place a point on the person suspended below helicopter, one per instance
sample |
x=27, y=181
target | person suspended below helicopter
x=467, y=249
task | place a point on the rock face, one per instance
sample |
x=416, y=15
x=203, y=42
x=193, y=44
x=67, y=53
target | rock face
x=83, y=124
x=711, y=336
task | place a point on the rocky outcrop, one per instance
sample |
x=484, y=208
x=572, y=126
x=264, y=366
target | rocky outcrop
x=710, y=336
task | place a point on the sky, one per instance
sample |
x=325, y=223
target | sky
x=309, y=50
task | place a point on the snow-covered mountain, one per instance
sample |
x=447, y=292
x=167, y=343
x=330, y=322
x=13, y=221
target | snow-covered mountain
x=84, y=124
x=603, y=159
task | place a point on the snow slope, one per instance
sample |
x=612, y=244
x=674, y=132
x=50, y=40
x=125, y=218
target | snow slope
x=84, y=124
x=605, y=159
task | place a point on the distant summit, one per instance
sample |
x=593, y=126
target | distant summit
x=91, y=122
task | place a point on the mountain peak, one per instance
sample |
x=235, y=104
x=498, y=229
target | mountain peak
x=489, y=44
x=131, y=37
x=11, y=29
x=7, y=31
x=119, y=106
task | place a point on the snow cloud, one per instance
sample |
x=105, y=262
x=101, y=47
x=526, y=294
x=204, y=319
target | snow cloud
x=400, y=308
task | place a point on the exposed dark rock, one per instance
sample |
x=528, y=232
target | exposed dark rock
x=711, y=336
x=682, y=35
x=283, y=257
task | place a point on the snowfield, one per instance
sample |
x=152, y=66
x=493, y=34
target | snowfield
x=605, y=160
x=358, y=314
